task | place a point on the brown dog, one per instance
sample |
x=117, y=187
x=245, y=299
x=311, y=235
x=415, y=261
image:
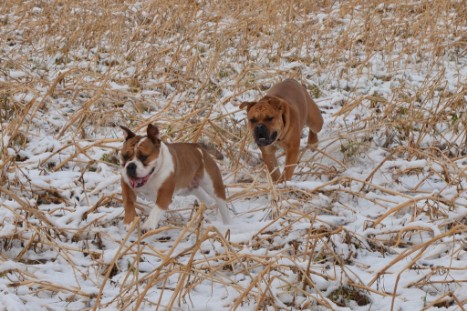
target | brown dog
x=158, y=170
x=279, y=117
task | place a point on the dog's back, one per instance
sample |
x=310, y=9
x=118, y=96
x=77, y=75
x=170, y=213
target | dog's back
x=296, y=95
x=194, y=161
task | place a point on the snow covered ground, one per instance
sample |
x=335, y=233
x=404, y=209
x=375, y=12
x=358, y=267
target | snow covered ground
x=373, y=220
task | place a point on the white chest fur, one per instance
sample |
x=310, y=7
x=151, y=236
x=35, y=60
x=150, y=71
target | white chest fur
x=164, y=166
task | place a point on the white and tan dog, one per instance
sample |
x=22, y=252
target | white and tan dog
x=158, y=170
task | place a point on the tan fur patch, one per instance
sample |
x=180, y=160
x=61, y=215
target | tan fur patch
x=147, y=151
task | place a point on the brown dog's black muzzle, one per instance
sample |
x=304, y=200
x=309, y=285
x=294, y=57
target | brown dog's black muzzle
x=262, y=135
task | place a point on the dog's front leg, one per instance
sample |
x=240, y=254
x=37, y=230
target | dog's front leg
x=163, y=200
x=269, y=157
x=291, y=159
x=129, y=200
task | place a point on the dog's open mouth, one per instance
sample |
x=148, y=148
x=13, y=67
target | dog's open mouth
x=263, y=141
x=136, y=182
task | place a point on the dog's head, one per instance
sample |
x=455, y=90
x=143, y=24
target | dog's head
x=138, y=157
x=266, y=119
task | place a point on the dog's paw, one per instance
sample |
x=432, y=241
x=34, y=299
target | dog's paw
x=280, y=180
x=127, y=227
x=153, y=219
x=148, y=226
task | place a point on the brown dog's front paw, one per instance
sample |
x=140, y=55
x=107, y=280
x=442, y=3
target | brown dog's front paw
x=282, y=179
x=275, y=175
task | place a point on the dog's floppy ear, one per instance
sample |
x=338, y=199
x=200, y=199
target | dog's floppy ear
x=127, y=132
x=247, y=105
x=153, y=133
x=276, y=103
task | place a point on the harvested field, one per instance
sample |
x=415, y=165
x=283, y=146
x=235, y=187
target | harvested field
x=375, y=219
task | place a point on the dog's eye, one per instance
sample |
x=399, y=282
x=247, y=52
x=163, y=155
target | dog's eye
x=125, y=157
x=269, y=119
x=253, y=120
x=142, y=157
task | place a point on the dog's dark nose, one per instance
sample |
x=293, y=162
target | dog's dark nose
x=131, y=170
x=261, y=131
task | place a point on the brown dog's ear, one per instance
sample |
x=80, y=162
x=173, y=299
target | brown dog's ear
x=153, y=133
x=247, y=105
x=127, y=132
x=276, y=103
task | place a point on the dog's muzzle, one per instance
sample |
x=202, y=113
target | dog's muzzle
x=134, y=180
x=262, y=135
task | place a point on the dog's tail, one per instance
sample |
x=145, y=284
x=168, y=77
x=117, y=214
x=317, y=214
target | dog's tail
x=211, y=148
